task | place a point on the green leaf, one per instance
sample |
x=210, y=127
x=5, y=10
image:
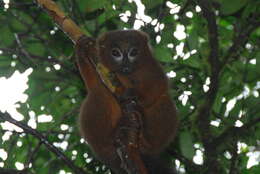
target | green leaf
x=5, y=61
x=163, y=54
x=5, y=66
x=231, y=6
x=252, y=170
x=252, y=7
x=94, y=14
x=6, y=36
x=167, y=36
x=17, y=26
x=186, y=145
x=193, y=61
x=36, y=49
x=152, y=3
x=91, y=5
x=193, y=39
x=218, y=103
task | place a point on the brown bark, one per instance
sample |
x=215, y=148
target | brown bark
x=63, y=21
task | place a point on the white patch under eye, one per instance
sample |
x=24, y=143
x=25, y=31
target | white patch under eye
x=117, y=54
x=133, y=52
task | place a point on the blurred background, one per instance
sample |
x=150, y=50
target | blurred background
x=208, y=49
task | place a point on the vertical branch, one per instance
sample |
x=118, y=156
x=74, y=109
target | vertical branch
x=205, y=110
x=233, y=167
x=213, y=59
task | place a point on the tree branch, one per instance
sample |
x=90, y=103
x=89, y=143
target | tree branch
x=44, y=140
x=233, y=166
x=23, y=53
x=234, y=131
x=63, y=21
x=189, y=165
x=18, y=4
x=204, y=111
x=12, y=171
x=64, y=117
x=240, y=41
x=209, y=15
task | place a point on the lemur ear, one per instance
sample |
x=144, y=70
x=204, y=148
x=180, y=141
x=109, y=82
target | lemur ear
x=101, y=39
x=145, y=36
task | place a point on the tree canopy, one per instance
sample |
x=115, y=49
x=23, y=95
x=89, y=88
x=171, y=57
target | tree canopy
x=209, y=50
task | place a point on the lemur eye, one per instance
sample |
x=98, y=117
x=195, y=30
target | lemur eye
x=132, y=54
x=116, y=54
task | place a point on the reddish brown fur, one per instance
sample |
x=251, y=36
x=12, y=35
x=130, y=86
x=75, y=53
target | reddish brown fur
x=100, y=112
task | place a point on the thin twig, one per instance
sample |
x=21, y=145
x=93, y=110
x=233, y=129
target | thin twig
x=239, y=42
x=12, y=171
x=32, y=155
x=189, y=165
x=234, y=131
x=44, y=140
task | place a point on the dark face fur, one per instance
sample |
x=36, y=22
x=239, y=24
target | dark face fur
x=122, y=51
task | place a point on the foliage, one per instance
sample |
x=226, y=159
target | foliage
x=211, y=72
